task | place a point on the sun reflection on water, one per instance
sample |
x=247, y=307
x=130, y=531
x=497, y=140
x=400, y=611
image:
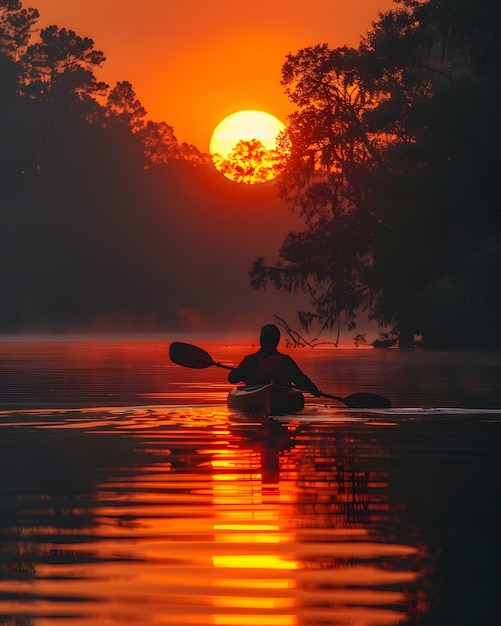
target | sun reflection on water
x=202, y=521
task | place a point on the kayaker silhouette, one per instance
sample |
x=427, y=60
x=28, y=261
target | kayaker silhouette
x=269, y=365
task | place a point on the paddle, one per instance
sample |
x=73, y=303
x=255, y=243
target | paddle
x=191, y=356
x=187, y=355
x=362, y=401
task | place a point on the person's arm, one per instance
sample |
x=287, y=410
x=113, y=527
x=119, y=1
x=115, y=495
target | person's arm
x=244, y=371
x=299, y=378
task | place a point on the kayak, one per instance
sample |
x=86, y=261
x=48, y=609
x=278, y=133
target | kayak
x=269, y=399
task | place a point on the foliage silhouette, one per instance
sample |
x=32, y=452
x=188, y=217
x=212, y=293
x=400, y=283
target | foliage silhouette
x=75, y=238
x=393, y=160
x=251, y=162
x=393, y=169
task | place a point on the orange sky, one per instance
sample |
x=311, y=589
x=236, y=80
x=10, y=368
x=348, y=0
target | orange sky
x=193, y=62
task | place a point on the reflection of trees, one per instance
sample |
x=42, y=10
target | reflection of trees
x=344, y=489
x=428, y=485
x=332, y=489
x=364, y=554
x=336, y=480
x=448, y=473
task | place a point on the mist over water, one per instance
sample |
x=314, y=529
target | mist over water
x=129, y=493
x=81, y=370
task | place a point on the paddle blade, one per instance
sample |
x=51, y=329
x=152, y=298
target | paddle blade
x=366, y=401
x=189, y=356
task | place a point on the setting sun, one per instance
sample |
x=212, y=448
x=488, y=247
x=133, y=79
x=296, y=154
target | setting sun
x=244, y=146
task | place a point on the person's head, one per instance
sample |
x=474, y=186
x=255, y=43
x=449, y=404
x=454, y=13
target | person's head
x=270, y=336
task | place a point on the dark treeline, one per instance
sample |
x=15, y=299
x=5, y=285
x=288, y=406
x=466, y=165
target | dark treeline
x=395, y=169
x=78, y=242
x=92, y=195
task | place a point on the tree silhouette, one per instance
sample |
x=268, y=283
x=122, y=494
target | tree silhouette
x=161, y=146
x=61, y=67
x=160, y=143
x=393, y=168
x=123, y=107
x=333, y=165
x=250, y=162
x=80, y=240
x=16, y=26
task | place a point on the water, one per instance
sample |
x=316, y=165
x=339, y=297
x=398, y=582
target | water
x=129, y=494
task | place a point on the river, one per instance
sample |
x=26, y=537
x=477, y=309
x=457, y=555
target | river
x=130, y=494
